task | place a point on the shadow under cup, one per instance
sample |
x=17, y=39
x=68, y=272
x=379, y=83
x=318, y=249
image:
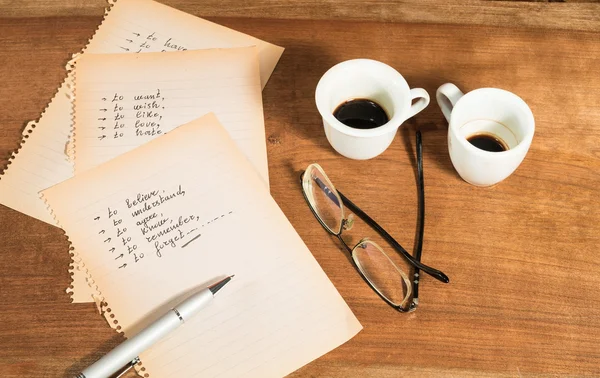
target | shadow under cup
x=495, y=112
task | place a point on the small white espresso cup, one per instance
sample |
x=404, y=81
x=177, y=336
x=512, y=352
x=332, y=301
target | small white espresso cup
x=488, y=111
x=375, y=81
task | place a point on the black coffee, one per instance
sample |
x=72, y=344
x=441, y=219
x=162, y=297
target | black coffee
x=487, y=142
x=361, y=114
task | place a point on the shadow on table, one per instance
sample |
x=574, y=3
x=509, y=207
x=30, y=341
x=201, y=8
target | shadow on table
x=434, y=145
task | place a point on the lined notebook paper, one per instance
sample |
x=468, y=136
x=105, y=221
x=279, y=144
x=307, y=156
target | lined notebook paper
x=139, y=97
x=130, y=26
x=151, y=230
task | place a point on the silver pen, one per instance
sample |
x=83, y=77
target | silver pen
x=125, y=355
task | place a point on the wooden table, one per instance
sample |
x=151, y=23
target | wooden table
x=522, y=256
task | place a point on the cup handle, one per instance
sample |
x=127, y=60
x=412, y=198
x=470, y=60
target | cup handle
x=447, y=95
x=422, y=102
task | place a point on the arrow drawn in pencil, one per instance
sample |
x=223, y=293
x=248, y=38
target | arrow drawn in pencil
x=101, y=119
x=118, y=257
x=102, y=110
x=124, y=48
x=129, y=40
x=123, y=266
x=138, y=34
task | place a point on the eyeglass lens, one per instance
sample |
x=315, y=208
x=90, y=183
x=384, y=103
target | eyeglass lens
x=323, y=198
x=383, y=274
x=389, y=280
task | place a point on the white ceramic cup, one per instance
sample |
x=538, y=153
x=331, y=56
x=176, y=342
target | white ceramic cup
x=375, y=81
x=489, y=111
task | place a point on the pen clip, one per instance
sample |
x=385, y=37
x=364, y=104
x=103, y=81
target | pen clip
x=127, y=367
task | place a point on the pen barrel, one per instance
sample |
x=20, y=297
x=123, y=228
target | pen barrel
x=194, y=303
x=131, y=348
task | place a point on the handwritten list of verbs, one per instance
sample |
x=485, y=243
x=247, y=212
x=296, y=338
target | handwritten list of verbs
x=138, y=43
x=147, y=113
x=155, y=229
x=148, y=106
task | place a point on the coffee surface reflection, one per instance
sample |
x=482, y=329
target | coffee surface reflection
x=361, y=113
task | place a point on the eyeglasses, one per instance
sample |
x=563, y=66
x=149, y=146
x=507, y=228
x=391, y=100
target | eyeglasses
x=384, y=276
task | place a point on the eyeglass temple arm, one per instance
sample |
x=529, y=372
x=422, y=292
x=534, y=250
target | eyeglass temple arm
x=421, y=222
x=417, y=264
x=356, y=210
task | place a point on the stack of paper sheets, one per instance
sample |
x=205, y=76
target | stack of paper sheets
x=155, y=165
x=130, y=26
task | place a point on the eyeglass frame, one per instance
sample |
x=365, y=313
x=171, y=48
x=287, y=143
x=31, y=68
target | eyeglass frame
x=414, y=261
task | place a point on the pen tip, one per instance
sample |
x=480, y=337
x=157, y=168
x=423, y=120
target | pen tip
x=214, y=288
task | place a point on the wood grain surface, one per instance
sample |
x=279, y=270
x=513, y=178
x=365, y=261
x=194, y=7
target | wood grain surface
x=546, y=14
x=522, y=256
